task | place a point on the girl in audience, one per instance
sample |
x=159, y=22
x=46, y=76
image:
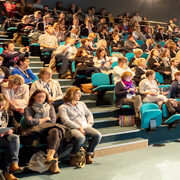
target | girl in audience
x=40, y=118
x=17, y=93
x=49, y=85
x=102, y=61
x=137, y=53
x=75, y=115
x=153, y=60
x=125, y=92
x=9, y=141
x=150, y=33
x=23, y=70
x=165, y=66
x=140, y=70
x=174, y=67
x=84, y=63
x=149, y=88
x=120, y=69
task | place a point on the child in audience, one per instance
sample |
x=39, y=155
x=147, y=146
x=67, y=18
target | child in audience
x=9, y=141
x=120, y=69
x=125, y=92
x=75, y=115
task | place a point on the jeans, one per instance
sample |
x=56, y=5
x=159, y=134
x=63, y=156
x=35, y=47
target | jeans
x=79, y=139
x=11, y=144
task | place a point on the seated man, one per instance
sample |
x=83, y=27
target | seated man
x=66, y=54
x=36, y=17
x=10, y=56
x=41, y=25
x=48, y=42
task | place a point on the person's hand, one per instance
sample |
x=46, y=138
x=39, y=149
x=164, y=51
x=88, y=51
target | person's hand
x=153, y=93
x=1, y=135
x=27, y=49
x=20, y=110
x=130, y=90
x=9, y=132
x=82, y=130
x=79, y=64
x=157, y=64
x=167, y=72
x=51, y=99
x=44, y=120
x=91, y=124
x=22, y=49
x=164, y=93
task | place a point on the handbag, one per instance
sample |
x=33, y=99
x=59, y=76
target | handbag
x=125, y=121
x=87, y=88
x=37, y=162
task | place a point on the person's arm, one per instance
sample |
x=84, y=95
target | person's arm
x=63, y=112
x=59, y=91
x=88, y=115
x=52, y=115
x=31, y=74
x=120, y=92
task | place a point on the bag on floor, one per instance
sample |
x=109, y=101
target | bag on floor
x=87, y=88
x=126, y=121
x=37, y=162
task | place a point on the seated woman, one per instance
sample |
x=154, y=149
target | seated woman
x=138, y=35
x=120, y=69
x=23, y=70
x=102, y=43
x=17, y=93
x=175, y=86
x=149, y=88
x=102, y=61
x=125, y=92
x=147, y=46
x=140, y=70
x=153, y=60
x=9, y=141
x=86, y=44
x=137, y=53
x=75, y=115
x=40, y=118
x=84, y=63
x=131, y=43
x=165, y=65
x=173, y=49
x=174, y=67
x=49, y=85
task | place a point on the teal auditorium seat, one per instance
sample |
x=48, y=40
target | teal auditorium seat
x=140, y=42
x=1, y=50
x=62, y=43
x=11, y=31
x=145, y=55
x=150, y=111
x=74, y=69
x=101, y=82
x=114, y=64
x=35, y=79
x=161, y=43
x=160, y=79
x=110, y=49
x=129, y=56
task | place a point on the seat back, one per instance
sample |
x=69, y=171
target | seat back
x=161, y=43
x=99, y=79
x=129, y=56
x=148, y=106
x=140, y=42
x=159, y=78
x=145, y=55
x=114, y=64
x=62, y=43
x=73, y=66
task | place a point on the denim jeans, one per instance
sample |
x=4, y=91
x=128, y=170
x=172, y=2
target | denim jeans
x=11, y=145
x=79, y=139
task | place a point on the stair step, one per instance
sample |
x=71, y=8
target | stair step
x=104, y=111
x=35, y=58
x=63, y=88
x=35, y=69
x=65, y=82
x=36, y=64
x=5, y=39
x=90, y=103
x=120, y=146
x=105, y=122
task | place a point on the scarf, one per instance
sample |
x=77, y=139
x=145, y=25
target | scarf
x=41, y=110
x=128, y=85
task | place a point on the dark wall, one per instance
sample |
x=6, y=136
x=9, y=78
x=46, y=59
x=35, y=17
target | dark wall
x=159, y=10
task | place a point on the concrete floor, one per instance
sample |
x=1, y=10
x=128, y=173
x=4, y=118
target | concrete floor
x=153, y=163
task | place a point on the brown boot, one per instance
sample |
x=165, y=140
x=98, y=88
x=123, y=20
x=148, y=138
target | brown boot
x=54, y=168
x=50, y=156
x=89, y=159
x=14, y=167
x=9, y=176
x=73, y=161
x=92, y=155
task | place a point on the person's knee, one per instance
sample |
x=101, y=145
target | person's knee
x=13, y=138
x=80, y=139
x=54, y=131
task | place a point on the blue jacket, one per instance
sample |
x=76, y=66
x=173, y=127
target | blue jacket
x=27, y=78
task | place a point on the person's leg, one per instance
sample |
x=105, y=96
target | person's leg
x=64, y=67
x=96, y=138
x=91, y=70
x=137, y=104
x=78, y=140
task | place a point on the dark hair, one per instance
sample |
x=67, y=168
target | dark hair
x=122, y=59
x=6, y=44
x=177, y=74
x=149, y=73
x=21, y=59
x=98, y=51
x=38, y=91
x=80, y=51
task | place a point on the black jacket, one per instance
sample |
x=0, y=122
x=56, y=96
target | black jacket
x=138, y=74
x=175, y=90
x=145, y=48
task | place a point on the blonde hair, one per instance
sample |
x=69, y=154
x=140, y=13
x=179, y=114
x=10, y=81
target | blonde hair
x=70, y=93
x=137, y=62
x=4, y=98
x=42, y=71
x=93, y=35
x=137, y=51
x=16, y=79
x=100, y=42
